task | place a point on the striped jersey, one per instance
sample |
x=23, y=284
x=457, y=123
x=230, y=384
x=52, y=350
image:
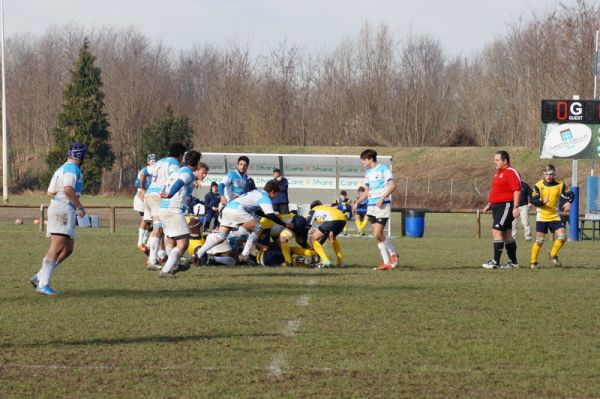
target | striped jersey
x=233, y=185
x=180, y=199
x=69, y=174
x=376, y=180
x=162, y=170
x=145, y=171
x=251, y=202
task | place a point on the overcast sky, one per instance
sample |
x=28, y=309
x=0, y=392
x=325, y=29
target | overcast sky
x=462, y=26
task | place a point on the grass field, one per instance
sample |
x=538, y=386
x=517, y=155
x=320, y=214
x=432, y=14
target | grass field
x=441, y=326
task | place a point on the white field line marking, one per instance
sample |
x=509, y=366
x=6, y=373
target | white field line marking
x=278, y=365
x=291, y=328
x=303, y=300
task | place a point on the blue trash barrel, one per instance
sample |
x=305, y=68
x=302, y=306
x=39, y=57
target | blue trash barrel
x=415, y=222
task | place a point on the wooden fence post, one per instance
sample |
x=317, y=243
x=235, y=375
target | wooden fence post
x=478, y=225
x=41, y=226
x=112, y=219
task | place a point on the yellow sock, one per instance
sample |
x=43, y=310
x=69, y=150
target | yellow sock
x=302, y=251
x=535, y=251
x=285, y=250
x=338, y=250
x=319, y=248
x=364, y=223
x=358, y=225
x=556, y=247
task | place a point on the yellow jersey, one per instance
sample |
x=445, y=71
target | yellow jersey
x=550, y=193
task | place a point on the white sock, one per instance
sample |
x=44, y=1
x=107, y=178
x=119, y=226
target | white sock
x=45, y=272
x=146, y=236
x=225, y=260
x=212, y=240
x=173, y=259
x=162, y=254
x=389, y=246
x=141, y=233
x=385, y=255
x=249, y=244
x=168, y=250
x=153, y=245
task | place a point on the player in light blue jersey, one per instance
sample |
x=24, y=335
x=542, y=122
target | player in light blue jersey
x=138, y=202
x=64, y=190
x=245, y=211
x=235, y=183
x=162, y=169
x=379, y=184
x=173, y=207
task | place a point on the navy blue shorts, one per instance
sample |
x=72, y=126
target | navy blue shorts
x=335, y=226
x=544, y=227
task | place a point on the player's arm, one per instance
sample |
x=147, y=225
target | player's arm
x=182, y=180
x=224, y=189
x=567, y=195
x=360, y=199
x=74, y=199
x=536, y=197
x=142, y=182
x=516, y=199
x=390, y=187
x=272, y=217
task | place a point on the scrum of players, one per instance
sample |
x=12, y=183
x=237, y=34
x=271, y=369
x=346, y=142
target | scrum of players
x=249, y=232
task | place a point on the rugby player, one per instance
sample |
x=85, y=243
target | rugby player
x=379, y=184
x=546, y=195
x=177, y=192
x=64, y=190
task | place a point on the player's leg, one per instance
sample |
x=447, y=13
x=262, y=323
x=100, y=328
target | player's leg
x=254, y=227
x=317, y=240
x=540, y=235
x=511, y=249
x=284, y=242
x=524, y=211
x=212, y=240
x=337, y=249
x=61, y=246
x=561, y=238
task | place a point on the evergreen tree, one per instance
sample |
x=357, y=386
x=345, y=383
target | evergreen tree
x=167, y=129
x=83, y=119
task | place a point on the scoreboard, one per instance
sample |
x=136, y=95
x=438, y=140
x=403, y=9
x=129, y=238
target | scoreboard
x=570, y=129
x=561, y=111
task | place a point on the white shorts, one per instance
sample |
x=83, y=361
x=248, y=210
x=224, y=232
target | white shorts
x=138, y=203
x=233, y=218
x=151, y=205
x=61, y=219
x=220, y=248
x=174, y=223
x=380, y=213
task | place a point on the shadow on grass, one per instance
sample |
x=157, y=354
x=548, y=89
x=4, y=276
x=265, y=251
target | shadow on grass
x=157, y=339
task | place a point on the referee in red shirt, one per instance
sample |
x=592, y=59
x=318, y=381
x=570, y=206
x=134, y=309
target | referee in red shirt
x=504, y=203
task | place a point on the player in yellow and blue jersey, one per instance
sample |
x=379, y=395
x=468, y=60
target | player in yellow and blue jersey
x=327, y=222
x=546, y=195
